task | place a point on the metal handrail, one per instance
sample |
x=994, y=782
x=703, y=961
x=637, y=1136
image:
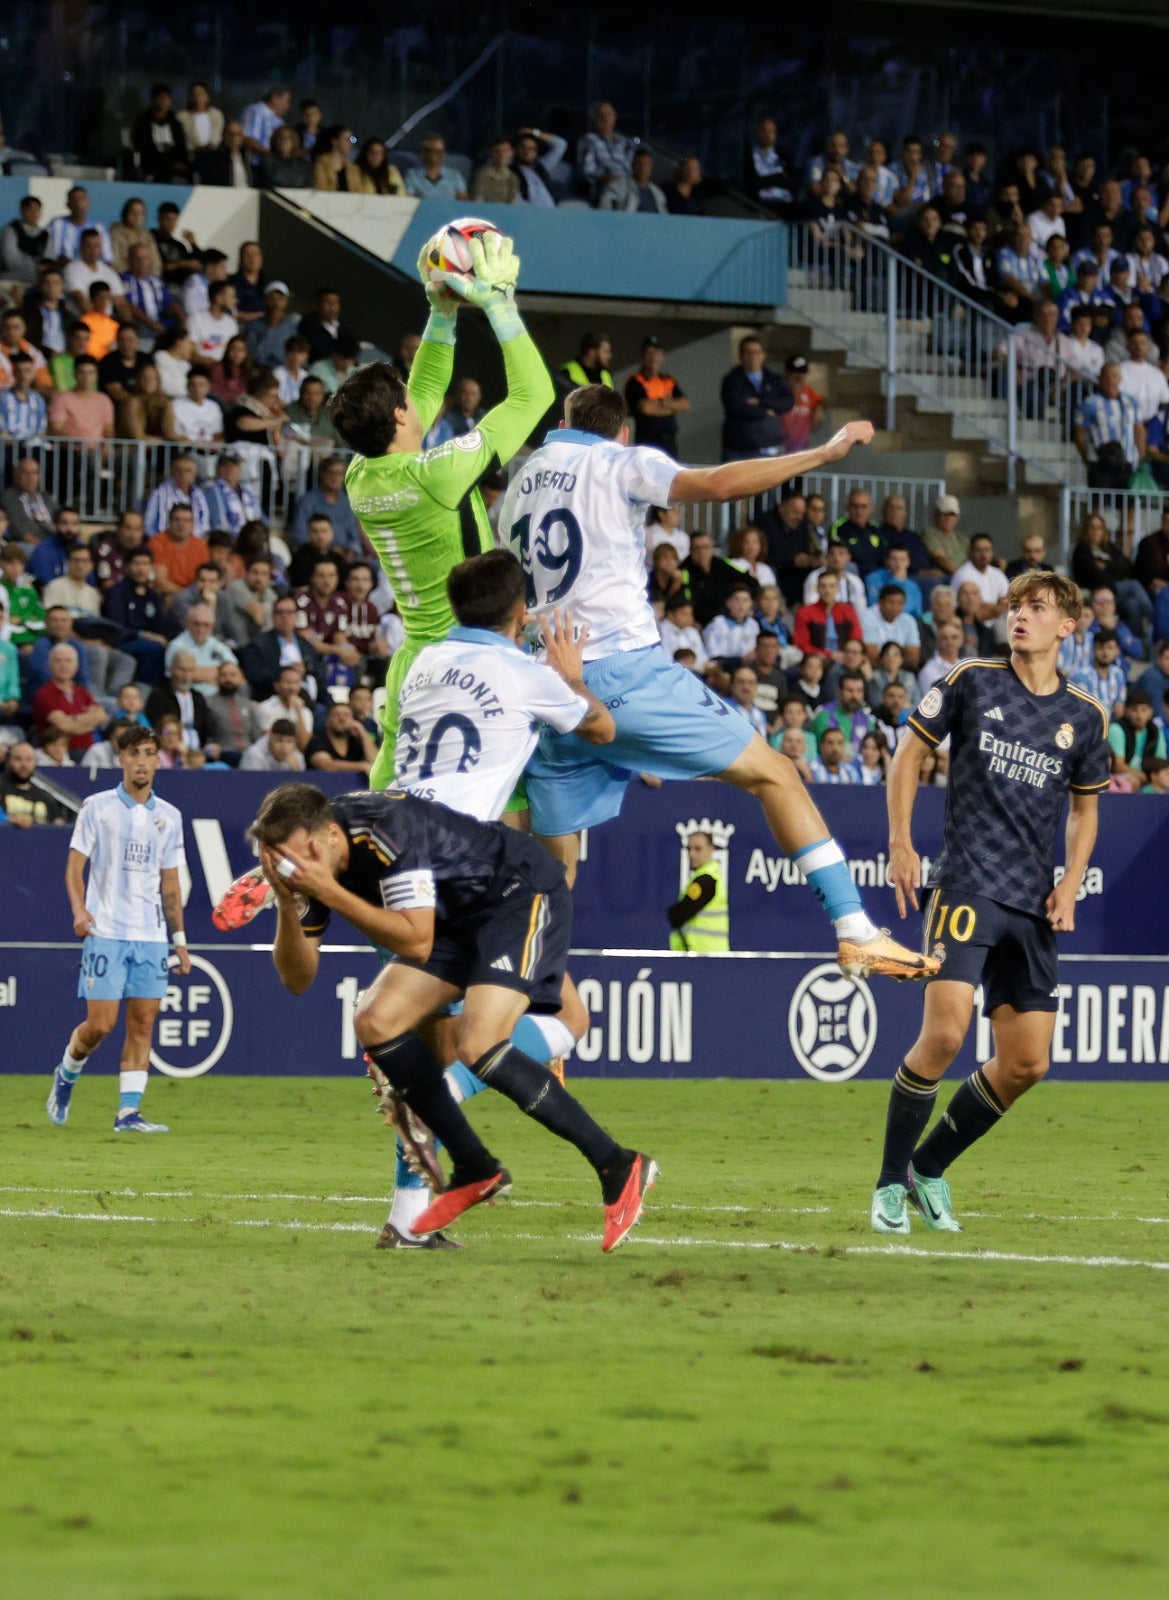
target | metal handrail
x=101, y=480
x=1124, y=511
x=931, y=340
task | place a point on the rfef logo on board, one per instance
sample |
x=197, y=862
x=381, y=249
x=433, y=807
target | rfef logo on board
x=831, y=1024
x=194, y=1023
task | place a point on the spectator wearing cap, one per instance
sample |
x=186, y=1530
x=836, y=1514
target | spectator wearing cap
x=434, y=179
x=806, y=416
x=333, y=369
x=637, y=191
x=655, y=399
x=328, y=500
x=947, y=547
x=602, y=154
x=262, y=118
x=230, y=503
x=755, y=399
x=158, y=140
x=268, y=334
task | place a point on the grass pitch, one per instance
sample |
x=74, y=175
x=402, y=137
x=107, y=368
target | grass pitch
x=213, y=1388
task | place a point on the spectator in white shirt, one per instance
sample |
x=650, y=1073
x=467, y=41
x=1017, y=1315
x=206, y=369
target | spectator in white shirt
x=1143, y=378
x=604, y=154
x=198, y=418
x=732, y=634
x=88, y=268
x=286, y=701
x=746, y=552
x=1048, y=220
x=663, y=525
x=888, y=619
x=1080, y=351
x=851, y=591
x=981, y=569
x=172, y=357
x=261, y=119
x=679, y=632
x=210, y=330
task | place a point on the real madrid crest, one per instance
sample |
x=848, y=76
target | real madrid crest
x=1066, y=736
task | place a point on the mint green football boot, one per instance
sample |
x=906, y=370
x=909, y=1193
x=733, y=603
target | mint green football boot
x=889, y=1213
x=931, y=1196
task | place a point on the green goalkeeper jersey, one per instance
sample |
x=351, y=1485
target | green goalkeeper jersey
x=422, y=511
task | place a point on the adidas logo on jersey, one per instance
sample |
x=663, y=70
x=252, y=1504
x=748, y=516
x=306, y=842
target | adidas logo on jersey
x=503, y=964
x=994, y=714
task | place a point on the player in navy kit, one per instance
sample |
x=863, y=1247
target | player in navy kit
x=1022, y=739
x=468, y=908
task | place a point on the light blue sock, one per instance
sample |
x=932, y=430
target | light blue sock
x=128, y=1100
x=823, y=867
x=527, y=1037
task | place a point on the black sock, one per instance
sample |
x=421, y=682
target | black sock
x=537, y=1093
x=911, y=1104
x=973, y=1111
x=418, y=1078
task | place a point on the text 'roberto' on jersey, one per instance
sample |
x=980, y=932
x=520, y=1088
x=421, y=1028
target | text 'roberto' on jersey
x=1014, y=756
x=574, y=516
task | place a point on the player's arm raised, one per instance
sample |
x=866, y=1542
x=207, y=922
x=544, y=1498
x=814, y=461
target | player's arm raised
x=1079, y=842
x=434, y=360
x=564, y=654
x=900, y=793
x=739, y=480
x=491, y=287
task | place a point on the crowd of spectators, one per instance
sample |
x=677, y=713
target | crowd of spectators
x=826, y=635
x=1075, y=257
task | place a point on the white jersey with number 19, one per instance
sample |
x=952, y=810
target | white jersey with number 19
x=574, y=515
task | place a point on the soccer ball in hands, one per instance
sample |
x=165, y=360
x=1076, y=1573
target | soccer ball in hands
x=448, y=249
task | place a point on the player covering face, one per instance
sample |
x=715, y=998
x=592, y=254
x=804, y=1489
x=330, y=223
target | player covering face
x=468, y=908
x=1022, y=741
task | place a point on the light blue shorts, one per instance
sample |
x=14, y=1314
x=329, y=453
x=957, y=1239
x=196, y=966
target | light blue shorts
x=668, y=724
x=122, y=969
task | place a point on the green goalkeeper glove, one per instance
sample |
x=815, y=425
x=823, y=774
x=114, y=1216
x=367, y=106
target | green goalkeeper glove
x=495, y=269
x=444, y=306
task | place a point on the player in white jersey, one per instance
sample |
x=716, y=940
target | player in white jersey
x=132, y=843
x=470, y=712
x=575, y=516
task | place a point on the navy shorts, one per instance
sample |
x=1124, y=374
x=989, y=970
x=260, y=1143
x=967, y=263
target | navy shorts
x=1011, y=953
x=520, y=942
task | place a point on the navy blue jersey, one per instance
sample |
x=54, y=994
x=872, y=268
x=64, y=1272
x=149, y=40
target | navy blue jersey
x=1014, y=756
x=407, y=854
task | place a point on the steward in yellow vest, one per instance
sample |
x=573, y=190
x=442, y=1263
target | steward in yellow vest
x=701, y=918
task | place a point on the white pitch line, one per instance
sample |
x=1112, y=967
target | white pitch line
x=796, y=1247
x=559, y=1205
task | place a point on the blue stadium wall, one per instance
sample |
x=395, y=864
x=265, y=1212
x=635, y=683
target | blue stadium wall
x=774, y=1008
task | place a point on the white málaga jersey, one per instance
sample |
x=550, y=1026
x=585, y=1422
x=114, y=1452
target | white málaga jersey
x=469, y=716
x=574, y=515
x=127, y=845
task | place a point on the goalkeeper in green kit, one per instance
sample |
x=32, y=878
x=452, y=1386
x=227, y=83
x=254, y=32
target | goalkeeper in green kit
x=421, y=509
